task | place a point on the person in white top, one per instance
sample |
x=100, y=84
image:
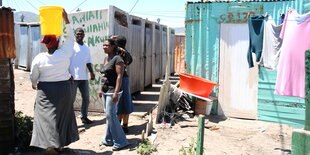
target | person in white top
x=54, y=121
x=81, y=60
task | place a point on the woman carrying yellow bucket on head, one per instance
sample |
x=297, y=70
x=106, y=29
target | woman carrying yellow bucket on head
x=54, y=120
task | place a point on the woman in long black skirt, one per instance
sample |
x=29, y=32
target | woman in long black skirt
x=54, y=120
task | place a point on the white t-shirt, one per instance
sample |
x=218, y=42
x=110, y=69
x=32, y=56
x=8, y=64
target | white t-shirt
x=80, y=58
x=54, y=67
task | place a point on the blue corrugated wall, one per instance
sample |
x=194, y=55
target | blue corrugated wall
x=202, y=53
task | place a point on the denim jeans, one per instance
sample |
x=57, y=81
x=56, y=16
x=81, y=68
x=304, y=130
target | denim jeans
x=114, y=133
x=84, y=90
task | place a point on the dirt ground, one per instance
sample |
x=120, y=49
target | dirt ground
x=221, y=135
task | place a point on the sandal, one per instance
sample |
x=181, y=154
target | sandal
x=119, y=148
x=103, y=144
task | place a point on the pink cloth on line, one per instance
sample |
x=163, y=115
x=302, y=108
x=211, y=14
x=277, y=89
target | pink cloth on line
x=291, y=69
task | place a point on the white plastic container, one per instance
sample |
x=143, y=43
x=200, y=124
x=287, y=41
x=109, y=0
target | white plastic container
x=208, y=107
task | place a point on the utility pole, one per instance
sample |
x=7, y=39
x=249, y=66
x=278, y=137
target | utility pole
x=0, y=2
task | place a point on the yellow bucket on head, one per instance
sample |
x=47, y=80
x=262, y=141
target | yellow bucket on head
x=51, y=20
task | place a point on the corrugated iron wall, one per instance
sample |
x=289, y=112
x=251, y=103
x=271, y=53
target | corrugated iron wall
x=164, y=56
x=28, y=44
x=157, y=50
x=171, y=36
x=202, y=52
x=148, y=53
x=7, y=109
x=136, y=74
x=7, y=51
x=7, y=42
x=179, y=54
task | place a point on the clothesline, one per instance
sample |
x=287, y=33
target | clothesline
x=234, y=19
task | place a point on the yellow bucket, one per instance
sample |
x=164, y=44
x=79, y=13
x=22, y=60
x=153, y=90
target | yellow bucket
x=51, y=20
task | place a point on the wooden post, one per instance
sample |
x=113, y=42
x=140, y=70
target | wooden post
x=200, y=137
x=301, y=137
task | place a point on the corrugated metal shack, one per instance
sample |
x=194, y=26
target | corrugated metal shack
x=7, y=52
x=171, y=36
x=179, y=54
x=157, y=50
x=148, y=53
x=143, y=42
x=27, y=40
x=216, y=42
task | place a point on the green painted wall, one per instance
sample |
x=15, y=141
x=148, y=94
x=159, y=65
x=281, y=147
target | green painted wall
x=202, y=24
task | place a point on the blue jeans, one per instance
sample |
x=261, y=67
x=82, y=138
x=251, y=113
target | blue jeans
x=84, y=89
x=114, y=133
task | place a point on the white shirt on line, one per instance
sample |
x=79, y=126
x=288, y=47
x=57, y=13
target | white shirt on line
x=54, y=67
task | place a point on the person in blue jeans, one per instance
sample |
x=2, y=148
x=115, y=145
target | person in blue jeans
x=80, y=62
x=112, y=74
x=125, y=105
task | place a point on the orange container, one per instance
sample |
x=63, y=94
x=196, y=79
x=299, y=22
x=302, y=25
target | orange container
x=196, y=85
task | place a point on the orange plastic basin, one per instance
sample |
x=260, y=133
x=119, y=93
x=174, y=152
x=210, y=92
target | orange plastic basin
x=196, y=85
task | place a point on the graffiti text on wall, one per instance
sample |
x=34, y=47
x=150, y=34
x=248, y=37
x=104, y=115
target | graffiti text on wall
x=240, y=17
x=93, y=40
x=87, y=16
x=94, y=85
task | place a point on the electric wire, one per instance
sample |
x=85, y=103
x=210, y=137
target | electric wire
x=17, y=5
x=134, y=6
x=32, y=5
x=41, y=2
x=78, y=6
x=24, y=5
x=161, y=15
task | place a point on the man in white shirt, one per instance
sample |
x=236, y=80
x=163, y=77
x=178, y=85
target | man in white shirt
x=80, y=62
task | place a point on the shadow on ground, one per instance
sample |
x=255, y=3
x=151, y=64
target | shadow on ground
x=95, y=123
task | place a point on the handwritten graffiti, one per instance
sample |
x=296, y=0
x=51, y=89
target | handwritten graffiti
x=240, y=17
x=96, y=27
x=93, y=40
x=94, y=85
x=87, y=16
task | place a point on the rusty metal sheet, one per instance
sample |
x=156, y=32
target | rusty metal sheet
x=179, y=54
x=7, y=43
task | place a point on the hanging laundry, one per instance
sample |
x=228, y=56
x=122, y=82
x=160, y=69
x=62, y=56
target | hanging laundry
x=282, y=16
x=291, y=69
x=256, y=31
x=271, y=44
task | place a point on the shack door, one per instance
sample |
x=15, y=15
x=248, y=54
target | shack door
x=238, y=83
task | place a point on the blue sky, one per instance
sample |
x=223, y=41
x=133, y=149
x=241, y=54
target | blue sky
x=170, y=12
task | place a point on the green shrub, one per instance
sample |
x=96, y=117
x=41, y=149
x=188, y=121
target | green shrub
x=146, y=148
x=23, y=131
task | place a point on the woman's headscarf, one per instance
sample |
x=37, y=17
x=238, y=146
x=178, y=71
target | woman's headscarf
x=51, y=41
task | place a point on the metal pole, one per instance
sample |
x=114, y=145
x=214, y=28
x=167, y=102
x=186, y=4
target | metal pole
x=200, y=136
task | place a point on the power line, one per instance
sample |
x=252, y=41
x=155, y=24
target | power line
x=41, y=2
x=17, y=5
x=134, y=6
x=160, y=11
x=160, y=15
x=78, y=6
x=25, y=6
x=32, y=5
